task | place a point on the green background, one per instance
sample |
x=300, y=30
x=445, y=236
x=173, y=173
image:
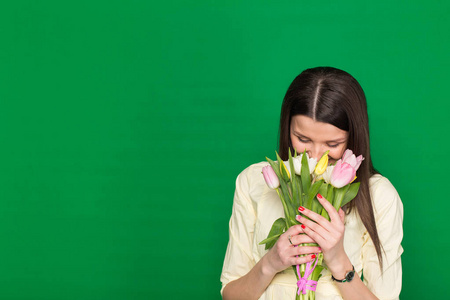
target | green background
x=123, y=125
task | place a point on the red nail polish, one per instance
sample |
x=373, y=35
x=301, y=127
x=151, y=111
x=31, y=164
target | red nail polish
x=313, y=256
x=303, y=226
x=319, y=196
x=301, y=208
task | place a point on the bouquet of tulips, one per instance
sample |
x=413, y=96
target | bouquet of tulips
x=297, y=182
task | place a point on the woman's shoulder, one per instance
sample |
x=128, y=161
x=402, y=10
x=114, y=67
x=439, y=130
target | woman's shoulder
x=379, y=182
x=252, y=175
x=253, y=171
x=383, y=193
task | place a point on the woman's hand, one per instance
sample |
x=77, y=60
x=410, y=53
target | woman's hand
x=328, y=234
x=284, y=254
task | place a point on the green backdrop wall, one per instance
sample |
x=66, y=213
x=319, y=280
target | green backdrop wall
x=123, y=125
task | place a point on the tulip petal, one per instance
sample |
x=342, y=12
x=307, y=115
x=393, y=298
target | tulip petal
x=297, y=164
x=359, y=159
x=270, y=177
x=351, y=160
x=327, y=174
x=338, y=163
x=343, y=174
x=347, y=154
x=312, y=162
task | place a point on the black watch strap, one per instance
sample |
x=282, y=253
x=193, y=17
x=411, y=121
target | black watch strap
x=348, y=276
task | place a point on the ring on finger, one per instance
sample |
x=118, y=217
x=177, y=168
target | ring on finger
x=289, y=238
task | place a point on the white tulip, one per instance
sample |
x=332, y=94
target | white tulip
x=312, y=162
x=327, y=174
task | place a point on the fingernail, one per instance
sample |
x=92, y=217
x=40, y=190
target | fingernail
x=319, y=196
x=297, y=217
x=313, y=256
x=303, y=226
x=301, y=208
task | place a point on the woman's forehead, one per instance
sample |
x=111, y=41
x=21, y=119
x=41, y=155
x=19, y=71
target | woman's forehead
x=312, y=129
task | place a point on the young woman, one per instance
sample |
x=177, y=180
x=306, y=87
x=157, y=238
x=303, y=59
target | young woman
x=324, y=109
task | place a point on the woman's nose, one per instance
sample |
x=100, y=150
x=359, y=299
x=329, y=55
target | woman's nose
x=316, y=152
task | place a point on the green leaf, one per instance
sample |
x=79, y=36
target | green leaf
x=278, y=227
x=289, y=211
x=285, y=207
x=323, y=189
x=316, y=273
x=305, y=175
x=325, y=214
x=270, y=241
x=299, y=191
x=330, y=194
x=293, y=182
x=315, y=205
x=330, y=198
x=275, y=168
x=351, y=193
x=313, y=192
x=340, y=196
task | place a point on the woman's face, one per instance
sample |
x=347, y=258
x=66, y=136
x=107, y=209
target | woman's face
x=317, y=137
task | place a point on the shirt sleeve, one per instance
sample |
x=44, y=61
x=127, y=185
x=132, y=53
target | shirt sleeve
x=238, y=258
x=386, y=284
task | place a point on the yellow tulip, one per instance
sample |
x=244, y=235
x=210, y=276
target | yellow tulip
x=322, y=164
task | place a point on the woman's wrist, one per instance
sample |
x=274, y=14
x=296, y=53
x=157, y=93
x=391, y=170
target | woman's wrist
x=267, y=268
x=340, y=267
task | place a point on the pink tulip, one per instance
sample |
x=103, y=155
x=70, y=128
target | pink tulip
x=343, y=174
x=270, y=177
x=345, y=170
x=351, y=159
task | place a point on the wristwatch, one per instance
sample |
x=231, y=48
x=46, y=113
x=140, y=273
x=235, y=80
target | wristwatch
x=348, y=276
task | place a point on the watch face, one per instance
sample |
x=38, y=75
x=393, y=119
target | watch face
x=350, y=276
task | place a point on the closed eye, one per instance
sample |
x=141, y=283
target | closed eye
x=302, y=140
x=333, y=145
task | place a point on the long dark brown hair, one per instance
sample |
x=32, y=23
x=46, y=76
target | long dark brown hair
x=332, y=96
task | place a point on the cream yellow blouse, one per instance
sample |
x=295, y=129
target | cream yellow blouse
x=256, y=207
